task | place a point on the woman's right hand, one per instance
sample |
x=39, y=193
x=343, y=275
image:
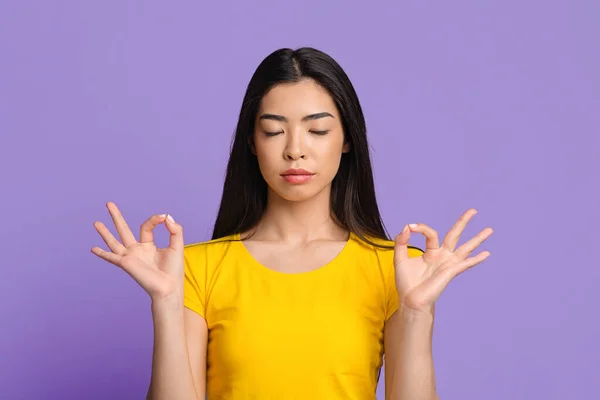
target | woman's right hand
x=158, y=271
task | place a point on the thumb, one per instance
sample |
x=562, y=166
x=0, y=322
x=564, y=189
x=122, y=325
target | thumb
x=176, y=231
x=401, y=245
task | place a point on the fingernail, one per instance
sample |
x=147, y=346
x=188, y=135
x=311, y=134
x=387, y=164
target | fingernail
x=405, y=228
x=170, y=218
x=412, y=225
x=162, y=215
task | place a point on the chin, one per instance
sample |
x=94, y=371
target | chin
x=297, y=198
x=296, y=193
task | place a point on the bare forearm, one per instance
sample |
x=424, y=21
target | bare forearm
x=171, y=372
x=414, y=377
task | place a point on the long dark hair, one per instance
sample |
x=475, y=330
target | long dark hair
x=353, y=202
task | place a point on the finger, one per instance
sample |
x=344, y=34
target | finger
x=125, y=233
x=431, y=237
x=107, y=255
x=401, y=245
x=451, y=239
x=146, y=235
x=176, y=233
x=471, y=262
x=113, y=244
x=436, y=283
x=467, y=248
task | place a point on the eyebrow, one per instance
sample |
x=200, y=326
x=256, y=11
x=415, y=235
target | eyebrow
x=310, y=117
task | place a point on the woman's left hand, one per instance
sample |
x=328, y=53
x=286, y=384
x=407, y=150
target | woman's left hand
x=421, y=280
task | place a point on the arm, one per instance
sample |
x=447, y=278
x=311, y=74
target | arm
x=419, y=282
x=409, y=371
x=179, y=356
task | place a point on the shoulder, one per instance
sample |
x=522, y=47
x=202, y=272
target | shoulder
x=213, y=244
x=383, y=248
x=208, y=252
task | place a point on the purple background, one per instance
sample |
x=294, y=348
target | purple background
x=492, y=105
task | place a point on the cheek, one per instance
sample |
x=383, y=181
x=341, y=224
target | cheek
x=265, y=156
x=333, y=150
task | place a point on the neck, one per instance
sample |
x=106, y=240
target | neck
x=299, y=221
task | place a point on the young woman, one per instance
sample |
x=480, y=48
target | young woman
x=300, y=292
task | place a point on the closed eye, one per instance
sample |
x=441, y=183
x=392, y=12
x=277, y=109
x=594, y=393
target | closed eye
x=321, y=133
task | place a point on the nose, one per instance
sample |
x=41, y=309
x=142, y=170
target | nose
x=294, y=149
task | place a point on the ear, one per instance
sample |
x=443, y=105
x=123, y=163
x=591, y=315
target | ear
x=251, y=144
x=346, y=147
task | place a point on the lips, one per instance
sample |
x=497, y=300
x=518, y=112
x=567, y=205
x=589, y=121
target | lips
x=297, y=176
x=296, y=171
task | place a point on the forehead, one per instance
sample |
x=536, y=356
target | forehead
x=297, y=99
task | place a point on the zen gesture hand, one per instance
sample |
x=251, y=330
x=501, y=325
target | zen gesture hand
x=421, y=280
x=158, y=271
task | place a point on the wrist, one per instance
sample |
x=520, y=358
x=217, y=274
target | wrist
x=172, y=302
x=410, y=314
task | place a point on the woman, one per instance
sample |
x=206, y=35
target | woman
x=297, y=294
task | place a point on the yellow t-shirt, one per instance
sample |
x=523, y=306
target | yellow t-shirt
x=273, y=335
